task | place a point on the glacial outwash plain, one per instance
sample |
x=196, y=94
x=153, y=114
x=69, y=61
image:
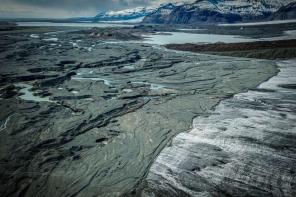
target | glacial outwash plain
x=148, y=109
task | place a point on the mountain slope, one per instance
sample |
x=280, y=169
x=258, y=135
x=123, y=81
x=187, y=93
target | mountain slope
x=286, y=12
x=127, y=14
x=215, y=11
x=161, y=14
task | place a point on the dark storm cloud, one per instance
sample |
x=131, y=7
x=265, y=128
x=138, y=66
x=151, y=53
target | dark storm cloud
x=66, y=8
x=77, y=4
x=66, y=4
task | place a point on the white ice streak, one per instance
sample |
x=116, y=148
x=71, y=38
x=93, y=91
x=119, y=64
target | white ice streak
x=245, y=116
x=4, y=126
x=51, y=39
x=34, y=36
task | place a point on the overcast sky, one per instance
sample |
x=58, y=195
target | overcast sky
x=67, y=8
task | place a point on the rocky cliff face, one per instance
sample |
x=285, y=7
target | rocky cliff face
x=162, y=14
x=286, y=12
x=213, y=11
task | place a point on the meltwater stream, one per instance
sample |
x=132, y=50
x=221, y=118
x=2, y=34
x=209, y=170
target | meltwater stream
x=245, y=147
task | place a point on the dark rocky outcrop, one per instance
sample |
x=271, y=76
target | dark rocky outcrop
x=8, y=92
x=285, y=12
x=57, y=80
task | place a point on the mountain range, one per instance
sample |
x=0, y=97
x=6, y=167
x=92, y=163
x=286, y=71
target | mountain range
x=205, y=11
x=134, y=14
x=128, y=14
x=226, y=11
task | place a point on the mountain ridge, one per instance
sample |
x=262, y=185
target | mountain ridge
x=133, y=13
x=204, y=11
x=218, y=11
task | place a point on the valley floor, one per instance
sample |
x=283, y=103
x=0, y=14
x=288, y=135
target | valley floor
x=81, y=115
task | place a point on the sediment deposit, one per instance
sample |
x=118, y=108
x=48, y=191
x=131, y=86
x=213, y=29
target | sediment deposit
x=81, y=116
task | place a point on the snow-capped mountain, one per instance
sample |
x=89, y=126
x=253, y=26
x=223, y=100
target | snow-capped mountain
x=128, y=14
x=213, y=11
x=201, y=11
x=159, y=15
x=134, y=14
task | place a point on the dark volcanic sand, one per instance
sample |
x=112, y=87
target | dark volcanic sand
x=99, y=113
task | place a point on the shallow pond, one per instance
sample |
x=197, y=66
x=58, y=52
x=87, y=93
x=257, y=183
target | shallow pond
x=181, y=38
x=28, y=95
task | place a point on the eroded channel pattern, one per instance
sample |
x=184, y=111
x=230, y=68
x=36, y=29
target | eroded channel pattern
x=113, y=109
x=245, y=147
